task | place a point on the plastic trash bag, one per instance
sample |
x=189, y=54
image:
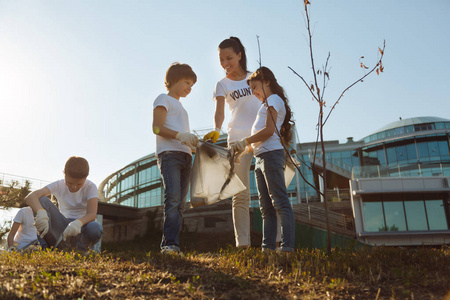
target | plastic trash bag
x=289, y=170
x=213, y=178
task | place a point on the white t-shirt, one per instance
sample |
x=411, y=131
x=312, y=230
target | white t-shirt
x=243, y=106
x=176, y=119
x=27, y=232
x=273, y=142
x=73, y=205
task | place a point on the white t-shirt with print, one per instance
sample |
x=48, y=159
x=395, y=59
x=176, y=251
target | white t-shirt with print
x=176, y=119
x=273, y=142
x=27, y=232
x=242, y=104
x=73, y=205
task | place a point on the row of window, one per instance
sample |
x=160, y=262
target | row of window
x=406, y=129
x=126, y=179
x=411, y=153
x=417, y=170
x=404, y=215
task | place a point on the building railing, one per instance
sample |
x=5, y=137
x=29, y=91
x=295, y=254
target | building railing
x=8, y=180
x=330, y=160
x=315, y=216
x=411, y=170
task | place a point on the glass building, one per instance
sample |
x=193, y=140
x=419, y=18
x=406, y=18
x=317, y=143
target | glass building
x=139, y=184
x=410, y=148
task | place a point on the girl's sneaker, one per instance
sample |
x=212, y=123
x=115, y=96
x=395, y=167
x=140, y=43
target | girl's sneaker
x=171, y=250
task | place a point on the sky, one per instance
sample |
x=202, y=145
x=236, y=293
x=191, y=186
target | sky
x=80, y=77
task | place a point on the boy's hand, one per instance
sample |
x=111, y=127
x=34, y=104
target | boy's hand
x=188, y=139
x=41, y=222
x=212, y=135
x=73, y=229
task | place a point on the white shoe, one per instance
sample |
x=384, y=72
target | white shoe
x=171, y=250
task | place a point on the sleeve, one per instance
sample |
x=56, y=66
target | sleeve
x=91, y=191
x=53, y=187
x=219, y=90
x=276, y=103
x=19, y=216
x=161, y=100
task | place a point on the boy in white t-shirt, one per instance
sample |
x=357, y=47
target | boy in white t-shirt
x=23, y=233
x=73, y=224
x=174, y=145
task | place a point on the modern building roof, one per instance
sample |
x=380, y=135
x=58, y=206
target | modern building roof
x=411, y=121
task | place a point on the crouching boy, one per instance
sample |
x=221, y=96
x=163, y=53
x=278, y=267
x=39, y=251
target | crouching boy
x=73, y=225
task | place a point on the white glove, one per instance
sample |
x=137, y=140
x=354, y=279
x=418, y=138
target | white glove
x=239, y=146
x=188, y=139
x=41, y=222
x=73, y=229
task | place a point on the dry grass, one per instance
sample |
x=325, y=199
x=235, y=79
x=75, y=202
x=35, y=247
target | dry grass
x=368, y=273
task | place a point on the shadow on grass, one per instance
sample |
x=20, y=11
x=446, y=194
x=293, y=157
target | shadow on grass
x=199, y=271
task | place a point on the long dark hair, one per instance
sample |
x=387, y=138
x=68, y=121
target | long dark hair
x=235, y=43
x=264, y=74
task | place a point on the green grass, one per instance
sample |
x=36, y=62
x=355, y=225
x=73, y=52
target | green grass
x=126, y=271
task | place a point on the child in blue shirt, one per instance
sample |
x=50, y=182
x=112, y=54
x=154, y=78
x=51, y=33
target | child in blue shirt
x=174, y=145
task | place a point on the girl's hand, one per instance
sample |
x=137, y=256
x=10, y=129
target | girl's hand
x=239, y=146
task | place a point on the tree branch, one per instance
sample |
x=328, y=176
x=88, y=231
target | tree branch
x=357, y=81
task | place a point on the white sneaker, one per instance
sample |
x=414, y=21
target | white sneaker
x=171, y=250
x=267, y=250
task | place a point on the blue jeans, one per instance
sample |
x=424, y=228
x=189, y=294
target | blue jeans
x=90, y=232
x=273, y=199
x=175, y=168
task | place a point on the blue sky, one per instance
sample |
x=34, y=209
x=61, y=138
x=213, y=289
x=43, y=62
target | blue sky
x=80, y=77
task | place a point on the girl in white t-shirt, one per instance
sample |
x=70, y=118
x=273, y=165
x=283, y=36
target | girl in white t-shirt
x=23, y=233
x=234, y=90
x=270, y=134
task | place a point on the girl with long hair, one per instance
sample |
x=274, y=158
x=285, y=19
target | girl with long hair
x=233, y=89
x=270, y=135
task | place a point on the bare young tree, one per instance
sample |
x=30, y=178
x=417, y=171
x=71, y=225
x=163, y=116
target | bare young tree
x=13, y=195
x=320, y=78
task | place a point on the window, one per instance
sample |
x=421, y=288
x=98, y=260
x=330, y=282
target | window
x=411, y=153
x=395, y=216
x=415, y=215
x=401, y=154
x=433, y=150
x=436, y=215
x=443, y=148
x=409, y=129
x=422, y=149
x=391, y=155
x=390, y=133
x=381, y=157
x=381, y=135
x=373, y=137
x=423, y=127
x=373, y=217
x=399, y=131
